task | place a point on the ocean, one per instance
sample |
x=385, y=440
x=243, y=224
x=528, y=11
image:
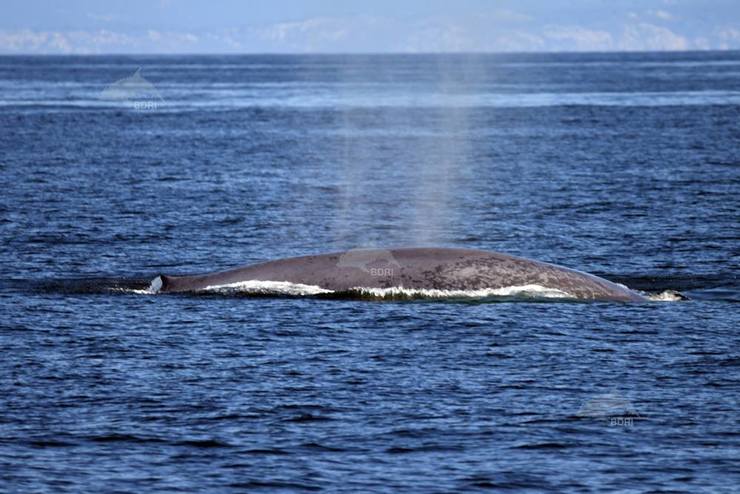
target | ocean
x=118, y=168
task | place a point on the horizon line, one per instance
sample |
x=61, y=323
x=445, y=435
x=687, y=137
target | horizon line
x=372, y=53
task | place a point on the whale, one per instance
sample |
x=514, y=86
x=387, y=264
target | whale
x=452, y=270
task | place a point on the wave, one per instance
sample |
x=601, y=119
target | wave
x=666, y=296
x=693, y=286
x=719, y=287
x=213, y=99
x=400, y=293
x=82, y=286
x=254, y=287
x=285, y=288
x=257, y=288
x=523, y=292
x=510, y=293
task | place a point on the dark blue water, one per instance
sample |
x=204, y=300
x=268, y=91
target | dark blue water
x=626, y=166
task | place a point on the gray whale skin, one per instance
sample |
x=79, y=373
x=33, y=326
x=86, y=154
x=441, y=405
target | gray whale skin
x=414, y=268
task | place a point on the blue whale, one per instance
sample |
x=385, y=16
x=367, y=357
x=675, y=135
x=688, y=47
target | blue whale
x=444, y=269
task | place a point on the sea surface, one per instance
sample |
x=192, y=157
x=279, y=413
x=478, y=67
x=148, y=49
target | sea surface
x=623, y=165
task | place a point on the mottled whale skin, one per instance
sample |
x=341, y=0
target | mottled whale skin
x=411, y=268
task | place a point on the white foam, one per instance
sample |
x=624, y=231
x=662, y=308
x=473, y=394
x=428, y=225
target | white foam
x=257, y=287
x=133, y=290
x=522, y=291
x=666, y=296
x=154, y=287
x=296, y=289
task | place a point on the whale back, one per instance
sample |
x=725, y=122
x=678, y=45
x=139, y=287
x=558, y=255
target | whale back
x=413, y=268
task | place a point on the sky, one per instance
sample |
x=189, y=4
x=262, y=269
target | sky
x=368, y=26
